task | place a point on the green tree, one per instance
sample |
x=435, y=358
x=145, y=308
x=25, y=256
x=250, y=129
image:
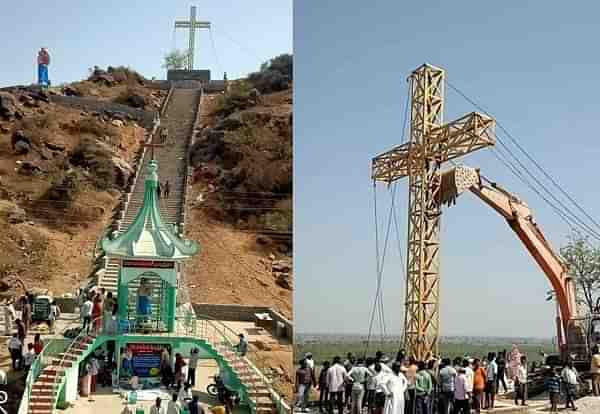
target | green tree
x=176, y=59
x=583, y=265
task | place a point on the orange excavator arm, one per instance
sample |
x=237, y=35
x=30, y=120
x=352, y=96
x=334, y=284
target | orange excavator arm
x=520, y=219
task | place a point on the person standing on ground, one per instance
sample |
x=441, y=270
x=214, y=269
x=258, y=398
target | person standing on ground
x=521, y=382
x=595, y=370
x=43, y=60
x=179, y=364
x=381, y=391
x=411, y=375
x=479, y=380
x=446, y=379
x=336, y=377
x=396, y=387
x=303, y=383
x=359, y=375
x=461, y=393
x=97, y=313
x=501, y=362
x=86, y=314
x=158, y=190
x=173, y=407
x=348, y=364
x=167, y=190
x=26, y=310
x=15, y=347
x=552, y=385
x=423, y=388
x=107, y=307
x=194, y=406
x=322, y=387
x=28, y=357
x=492, y=379
x=54, y=314
x=38, y=344
x=432, y=369
x=310, y=362
x=569, y=377
x=192, y=365
x=156, y=408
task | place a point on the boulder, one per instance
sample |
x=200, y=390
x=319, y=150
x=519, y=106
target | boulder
x=22, y=148
x=70, y=91
x=17, y=215
x=124, y=171
x=231, y=123
x=136, y=100
x=284, y=280
x=28, y=168
x=8, y=105
x=55, y=146
x=281, y=265
x=19, y=136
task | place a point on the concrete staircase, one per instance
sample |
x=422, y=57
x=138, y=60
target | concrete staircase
x=258, y=389
x=47, y=385
x=179, y=118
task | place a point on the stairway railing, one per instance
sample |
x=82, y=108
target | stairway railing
x=219, y=335
x=51, y=350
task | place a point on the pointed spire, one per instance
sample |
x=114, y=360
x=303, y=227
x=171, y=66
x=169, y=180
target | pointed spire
x=148, y=236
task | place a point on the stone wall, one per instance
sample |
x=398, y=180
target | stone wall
x=197, y=75
x=145, y=118
x=242, y=313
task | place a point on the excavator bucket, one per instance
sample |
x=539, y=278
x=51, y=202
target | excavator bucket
x=455, y=182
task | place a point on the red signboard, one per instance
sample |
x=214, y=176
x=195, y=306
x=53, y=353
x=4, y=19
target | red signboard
x=149, y=264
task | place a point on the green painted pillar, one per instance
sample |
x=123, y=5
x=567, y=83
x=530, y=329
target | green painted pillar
x=122, y=300
x=171, y=300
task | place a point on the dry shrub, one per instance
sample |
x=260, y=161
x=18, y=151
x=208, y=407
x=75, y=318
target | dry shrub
x=38, y=128
x=266, y=162
x=94, y=126
x=123, y=74
x=97, y=159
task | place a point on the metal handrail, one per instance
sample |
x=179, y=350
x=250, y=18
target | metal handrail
x=58, y=378
x=37, y=366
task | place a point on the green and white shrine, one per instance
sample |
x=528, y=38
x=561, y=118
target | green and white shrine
x=150, y=252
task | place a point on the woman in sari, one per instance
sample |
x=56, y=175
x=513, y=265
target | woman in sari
x=97, y=312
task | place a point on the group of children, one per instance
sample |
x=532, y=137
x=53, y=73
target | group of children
x=565, y=379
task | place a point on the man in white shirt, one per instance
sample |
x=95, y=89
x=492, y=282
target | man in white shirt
x=336, y=377
x=521, y=382
x=569, y=377
x=15, y=348
x=173, y=407
x=469, y=374
x=86, y=314
x=310, y=362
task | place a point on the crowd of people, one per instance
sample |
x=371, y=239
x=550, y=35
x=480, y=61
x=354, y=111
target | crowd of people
x=23, y=353
x=378, y=385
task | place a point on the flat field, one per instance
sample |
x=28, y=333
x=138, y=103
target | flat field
x=325, y=347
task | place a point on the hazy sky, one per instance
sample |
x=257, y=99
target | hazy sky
x=81, y=34
x=531, y=64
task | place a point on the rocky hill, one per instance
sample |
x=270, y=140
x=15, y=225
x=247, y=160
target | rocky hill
x=242, y=195
x=61, y=170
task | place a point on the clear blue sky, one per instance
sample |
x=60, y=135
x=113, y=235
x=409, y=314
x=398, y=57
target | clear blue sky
x=532, y=64
x=81, y=34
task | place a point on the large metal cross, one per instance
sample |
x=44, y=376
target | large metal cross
x=431, y=143
x=191, y=24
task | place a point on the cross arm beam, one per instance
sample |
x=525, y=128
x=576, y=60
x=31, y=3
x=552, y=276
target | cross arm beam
x=446, y=142
x=187, y=25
